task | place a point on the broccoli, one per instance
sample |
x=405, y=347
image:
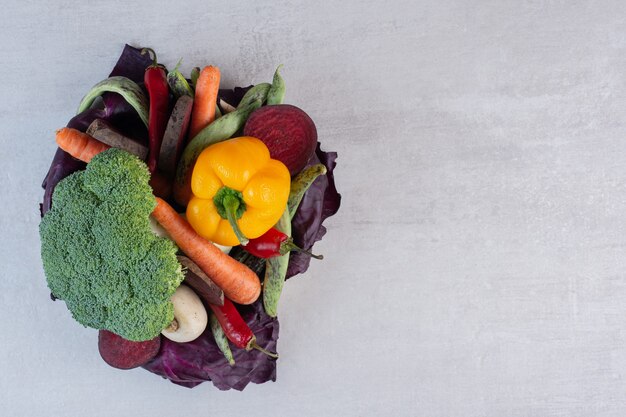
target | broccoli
x=100, y=255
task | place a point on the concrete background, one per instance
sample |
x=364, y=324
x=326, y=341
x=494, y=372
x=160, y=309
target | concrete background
x=477, y=266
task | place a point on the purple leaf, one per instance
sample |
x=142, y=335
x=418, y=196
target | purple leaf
x=320, y=202
x=190, y=364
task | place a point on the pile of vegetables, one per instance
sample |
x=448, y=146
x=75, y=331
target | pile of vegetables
x=174, y=210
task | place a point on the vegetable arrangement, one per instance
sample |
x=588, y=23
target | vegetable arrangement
x=149, y=185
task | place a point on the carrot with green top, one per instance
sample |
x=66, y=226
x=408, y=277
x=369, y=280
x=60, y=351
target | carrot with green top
x=238, y=282
x=207, y=87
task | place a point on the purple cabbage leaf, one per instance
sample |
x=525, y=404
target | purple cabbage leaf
x=319, y=202
x=190, y=364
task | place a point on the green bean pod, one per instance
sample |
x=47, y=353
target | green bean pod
x=256, y=93
x=276, y=271
x=218, y=131
x=195, y=73
x=300, y=184
x=276, y=94
x=178, y=83
x=125, y=87
x=220, y=339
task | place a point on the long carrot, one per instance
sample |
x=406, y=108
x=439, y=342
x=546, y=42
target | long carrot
x=205, y=99
x=84, y=147
x=237, y=281
x=78, y=144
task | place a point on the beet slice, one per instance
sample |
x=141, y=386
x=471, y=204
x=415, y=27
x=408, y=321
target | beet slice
x=287, y=131
x=125, y=354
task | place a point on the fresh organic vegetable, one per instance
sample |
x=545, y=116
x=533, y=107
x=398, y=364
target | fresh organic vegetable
x=205, y=99
x=258, y=93
x=288, y=132
x=275, y=243
x=178, y=83
x=83, y=147
x=301, y=183
x=201, y=283
x=220, y=339
x=126, y=354
x=239, y=283
x=100, y=130
x=189, y=364
x=80, y=145
x=100, y=255
x=195, y=73
x=320, y=202
x=190, y=317
x=236, y=329
x=222, y=129
x=255, y=263
x=238, y=191
x=127, y=88
x=155, y=80
x=276, y=271
x=175, y=133
x=276, y=93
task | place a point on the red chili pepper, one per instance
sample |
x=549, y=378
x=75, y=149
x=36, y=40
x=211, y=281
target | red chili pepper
x=274, y=243
x=155, y=80
x=235, y=328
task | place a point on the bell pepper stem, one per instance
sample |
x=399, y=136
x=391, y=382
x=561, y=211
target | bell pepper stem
x=288, y=246
x=231, y=204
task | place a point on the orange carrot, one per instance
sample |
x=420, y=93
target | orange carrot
x=237, y=281
x=205, y=99
x=84, y=147
x=78, y=144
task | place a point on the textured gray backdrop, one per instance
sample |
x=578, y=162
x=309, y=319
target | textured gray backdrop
x=477, y=266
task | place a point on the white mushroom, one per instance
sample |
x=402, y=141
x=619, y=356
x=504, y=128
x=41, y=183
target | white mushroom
x=190, y=317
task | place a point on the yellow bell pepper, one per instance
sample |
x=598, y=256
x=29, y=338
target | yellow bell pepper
x=239, y=192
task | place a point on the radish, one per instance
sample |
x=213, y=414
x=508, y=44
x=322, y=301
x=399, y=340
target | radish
x=287, y=131
x=125, y=354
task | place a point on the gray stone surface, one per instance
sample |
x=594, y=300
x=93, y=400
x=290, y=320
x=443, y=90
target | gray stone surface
x=477, y=266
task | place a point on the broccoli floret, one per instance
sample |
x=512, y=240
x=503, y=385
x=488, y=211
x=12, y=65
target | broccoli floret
x=100, y=255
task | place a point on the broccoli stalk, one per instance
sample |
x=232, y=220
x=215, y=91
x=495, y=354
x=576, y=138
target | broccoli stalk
x=100, y=255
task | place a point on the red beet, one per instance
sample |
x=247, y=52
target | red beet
x=125, y=354
x=288, y=132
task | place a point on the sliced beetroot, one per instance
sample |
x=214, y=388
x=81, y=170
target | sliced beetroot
x=125, y=354
x=288, y=132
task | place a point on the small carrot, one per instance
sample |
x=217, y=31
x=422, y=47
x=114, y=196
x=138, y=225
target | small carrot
x=205, y=99
x=238, y=282
x=84, y=147
x=78, y=144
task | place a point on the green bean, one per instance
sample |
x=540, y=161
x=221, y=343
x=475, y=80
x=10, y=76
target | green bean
x=125, y=87
x=276, y=95
x=195, y=73
x=276, y=271
x=256, y=93
x=300, y=184
x=218, y=131
x=220, y=339
x=178, y=83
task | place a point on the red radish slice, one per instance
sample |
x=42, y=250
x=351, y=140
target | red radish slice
x=287, y=131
